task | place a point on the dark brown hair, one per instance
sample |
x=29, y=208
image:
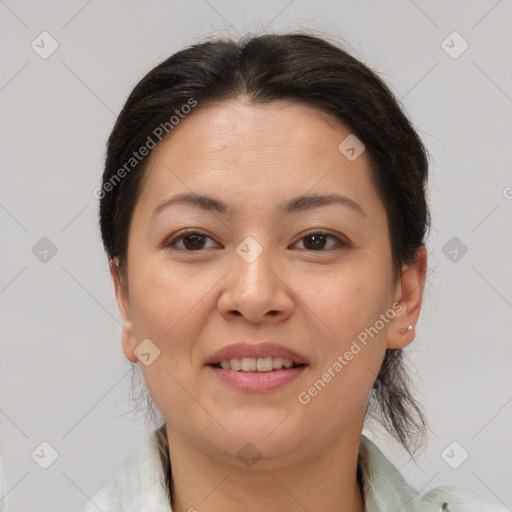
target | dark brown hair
x=309, y=70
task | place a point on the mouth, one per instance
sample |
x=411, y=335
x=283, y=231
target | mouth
x=258, y=365
x=262, y=367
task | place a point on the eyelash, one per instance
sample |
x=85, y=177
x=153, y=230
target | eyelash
x=339, y=243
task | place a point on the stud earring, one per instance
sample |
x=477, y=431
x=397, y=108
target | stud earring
x=409, y=328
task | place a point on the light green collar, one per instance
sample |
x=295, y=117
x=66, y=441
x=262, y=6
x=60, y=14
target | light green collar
x=139, y=486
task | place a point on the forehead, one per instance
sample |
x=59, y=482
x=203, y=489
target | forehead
x=259, y=153
x=237, y=130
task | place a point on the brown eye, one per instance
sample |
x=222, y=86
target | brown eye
x=318, y=241
x=192, y=241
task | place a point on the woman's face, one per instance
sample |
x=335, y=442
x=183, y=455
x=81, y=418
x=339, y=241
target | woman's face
x=255, y=273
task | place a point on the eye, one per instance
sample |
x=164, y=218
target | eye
x=317, y=241
x=192, y=241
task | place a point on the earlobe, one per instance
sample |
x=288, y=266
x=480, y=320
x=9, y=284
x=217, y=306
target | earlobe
x=127, y=338
x=127, y=342
x=409, y=295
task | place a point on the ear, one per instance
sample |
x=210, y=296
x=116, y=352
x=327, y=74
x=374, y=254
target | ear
x=409, y=296
x=123, y=302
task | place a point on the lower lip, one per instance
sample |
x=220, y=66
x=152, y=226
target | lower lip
x=257, y=381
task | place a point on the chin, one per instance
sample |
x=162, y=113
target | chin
x=259, y=452
x=273, y=434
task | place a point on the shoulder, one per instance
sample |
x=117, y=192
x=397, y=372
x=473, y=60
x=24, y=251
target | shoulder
x=450, y=498
x=385, y=488
x=138, y=485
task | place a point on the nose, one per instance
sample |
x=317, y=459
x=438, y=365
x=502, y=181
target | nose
x=256, y=290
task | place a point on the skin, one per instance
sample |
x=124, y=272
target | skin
x=192, y=303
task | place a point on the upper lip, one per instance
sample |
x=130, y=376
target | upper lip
x=266, y=349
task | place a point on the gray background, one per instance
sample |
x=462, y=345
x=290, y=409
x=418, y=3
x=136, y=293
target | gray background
x=63, y=377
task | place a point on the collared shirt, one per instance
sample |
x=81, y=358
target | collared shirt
x=139, y=486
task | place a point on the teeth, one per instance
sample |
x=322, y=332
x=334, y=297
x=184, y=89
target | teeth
x=248, y=364
x=277, y=362
x=252, y=364
x=264, y=364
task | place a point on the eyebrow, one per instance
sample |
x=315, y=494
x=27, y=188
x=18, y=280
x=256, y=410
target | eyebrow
x=297, y=204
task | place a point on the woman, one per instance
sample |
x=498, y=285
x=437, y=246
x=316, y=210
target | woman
x=263, y=211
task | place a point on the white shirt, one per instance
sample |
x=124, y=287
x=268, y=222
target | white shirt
x=139, y=486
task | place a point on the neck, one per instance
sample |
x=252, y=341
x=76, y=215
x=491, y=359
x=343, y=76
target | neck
x=324, y=482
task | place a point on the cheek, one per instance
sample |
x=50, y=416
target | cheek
x=351, y=304
x=168, y=308
x=166, y=299
x=349, y=299
x=349, y=356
